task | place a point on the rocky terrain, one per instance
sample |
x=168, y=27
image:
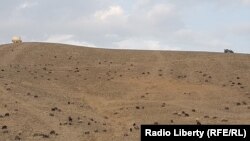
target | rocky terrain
x=58, y=92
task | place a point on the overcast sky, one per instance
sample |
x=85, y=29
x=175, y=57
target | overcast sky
x=192, y=25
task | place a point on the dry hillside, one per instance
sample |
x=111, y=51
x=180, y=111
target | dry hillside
x=69, y=93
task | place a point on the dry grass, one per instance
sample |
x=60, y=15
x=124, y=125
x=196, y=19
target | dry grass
x=62, y=92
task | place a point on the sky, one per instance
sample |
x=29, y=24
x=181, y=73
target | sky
x=185, y=25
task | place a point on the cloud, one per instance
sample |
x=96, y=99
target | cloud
x=113, y=11
x=136, y=43
x=139, y=24
x=225, y=3
x=199, y=41
x=216, y=43
x=27, y=4
x=67, y=39
x=160, y=11
x=242, y=29
x=245, y=1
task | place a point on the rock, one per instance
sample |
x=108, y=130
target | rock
x=224, y=120
x=70, y=119
x=52, y=132
x=206, y=116
x=125, y=135
x=17, y=138
x=198, y=121
x=54, y=109
x=41, y=135
x=163, y=104
x=4, y=127
x=45, y=136
x=155, y=123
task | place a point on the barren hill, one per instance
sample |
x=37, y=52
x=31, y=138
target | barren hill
x=62, y=92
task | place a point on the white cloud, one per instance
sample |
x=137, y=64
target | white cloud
x=159, y=11
x=186, y=34
x=59, y=38
x=216, y=43
x=142, y=2
x=27, y=4
x=67, y=39
x=245, y=1
x=135, y=43
x=139, y=24
x=112, y=36
x=113, y=11
x=242, y=29
x=232, y=2
x=198, y=40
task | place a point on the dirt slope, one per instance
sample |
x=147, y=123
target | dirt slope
x=62, y=92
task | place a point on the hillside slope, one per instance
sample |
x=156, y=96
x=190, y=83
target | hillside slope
x=63, y=92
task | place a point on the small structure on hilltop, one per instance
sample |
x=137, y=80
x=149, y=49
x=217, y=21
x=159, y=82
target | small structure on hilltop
x=228, y=51
x=16, y=40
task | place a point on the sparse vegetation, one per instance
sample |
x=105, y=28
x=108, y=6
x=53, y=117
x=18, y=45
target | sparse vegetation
x=57, y=91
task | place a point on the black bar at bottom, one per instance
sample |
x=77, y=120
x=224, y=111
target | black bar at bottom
x=195, y=132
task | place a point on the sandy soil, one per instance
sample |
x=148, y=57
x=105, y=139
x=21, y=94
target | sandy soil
x=62, y=92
